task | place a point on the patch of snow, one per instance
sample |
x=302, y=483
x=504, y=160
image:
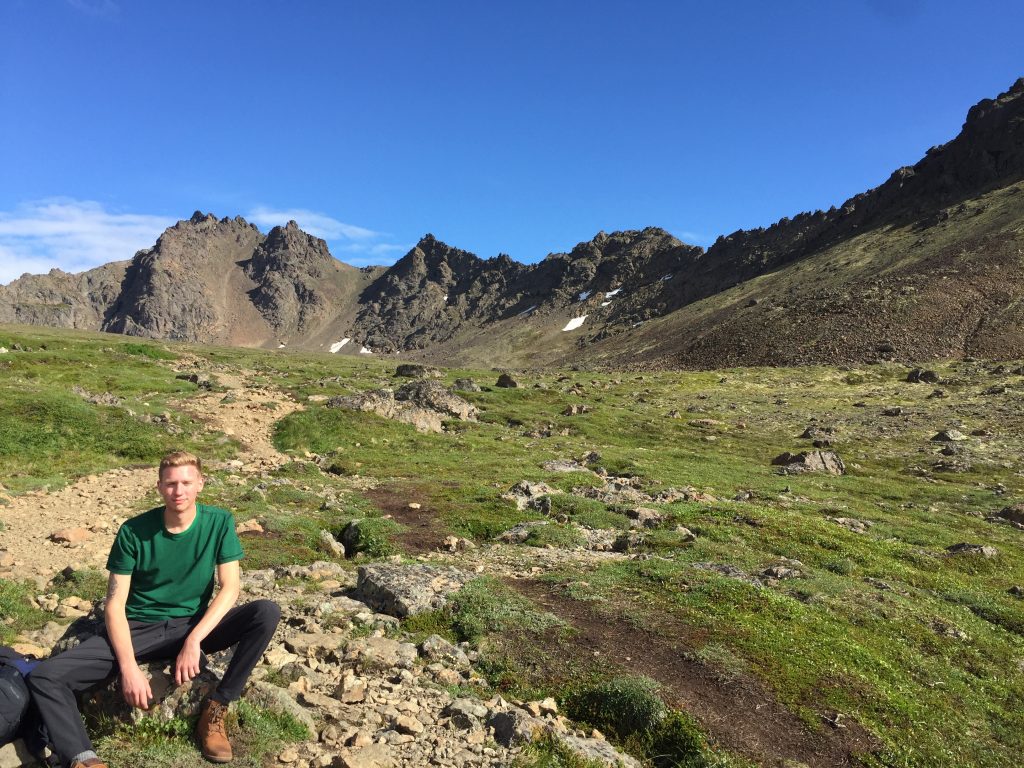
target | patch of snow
x=339, y=344
x=365, y=351
x=612, y=293
x=527, y=311
x=637, y=325
x=575, y=323
x=281, y=345
x=605, y=303
x=667, y=277
x=584, y=295
x=445, y=299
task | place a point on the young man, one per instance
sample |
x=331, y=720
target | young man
x=158, y=607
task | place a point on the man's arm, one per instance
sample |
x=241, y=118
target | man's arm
x=134, y=683
x=187, y=664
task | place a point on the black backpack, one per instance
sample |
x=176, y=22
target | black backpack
x=14, y=695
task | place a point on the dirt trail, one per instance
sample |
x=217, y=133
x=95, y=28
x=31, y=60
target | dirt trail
x=100, y=503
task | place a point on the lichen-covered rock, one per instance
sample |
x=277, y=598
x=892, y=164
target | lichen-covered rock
x=811, y=461
x=528, y=495
x=424, y=404
x=416, y=371
x=597, y=751
x=972, y=549
x=1013, y=513
x=515, y=727
x=406, y=590
x=380, y=653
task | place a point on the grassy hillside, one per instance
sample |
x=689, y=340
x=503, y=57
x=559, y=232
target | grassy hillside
x=879, y=643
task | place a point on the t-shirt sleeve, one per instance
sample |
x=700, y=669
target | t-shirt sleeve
x=123, y=553
x=230, y=548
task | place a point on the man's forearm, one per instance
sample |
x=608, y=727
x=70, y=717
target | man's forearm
x=219, y=606
x=118, y=632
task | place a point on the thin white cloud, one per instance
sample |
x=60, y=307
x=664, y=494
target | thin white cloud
x=318, y=224
x=94, y=7
x=72, y=235
x=694, y=238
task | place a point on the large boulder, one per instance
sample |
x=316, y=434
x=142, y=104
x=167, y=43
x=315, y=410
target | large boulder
x=424, y=404
x=1014, y=513
x=596, y=751
x=417, y=371
x=516, y=727
x=811, y=461
x=406, y=590
x=169, y=699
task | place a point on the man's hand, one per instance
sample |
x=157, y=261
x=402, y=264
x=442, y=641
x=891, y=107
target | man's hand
x=187, y=665
x=135, y=687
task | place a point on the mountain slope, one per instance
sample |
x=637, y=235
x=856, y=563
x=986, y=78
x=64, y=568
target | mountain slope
x=929, y=263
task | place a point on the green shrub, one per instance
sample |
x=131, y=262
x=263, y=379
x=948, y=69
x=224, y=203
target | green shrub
x=677, y=742
x=371, y=537
x=843, y=566
x=485, y=606
x=620, y=707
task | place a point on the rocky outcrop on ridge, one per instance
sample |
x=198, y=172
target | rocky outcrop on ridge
x=63, y=300
x=175, y=290
x=436, y=290
x=987, y=154
x=431, y=292
x=290, y=269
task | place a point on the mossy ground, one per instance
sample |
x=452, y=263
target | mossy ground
x=930, y=662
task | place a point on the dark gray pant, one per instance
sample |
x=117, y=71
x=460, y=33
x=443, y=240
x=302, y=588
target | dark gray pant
x=55, y=681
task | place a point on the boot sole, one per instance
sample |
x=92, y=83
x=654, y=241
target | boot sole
x=218, y=758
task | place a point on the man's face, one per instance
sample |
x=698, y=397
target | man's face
x=179, y=487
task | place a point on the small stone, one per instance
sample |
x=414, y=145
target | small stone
x=330, y=544
x=249, y=526
x=972, y=549
x=70, y=536
x=290, y=755
x=351, y=689
x=685, y=533
x=408, y=725
x=948, y=436
x=360, y=740
x=549, y=706
x=1014, y=513
x=415, y=505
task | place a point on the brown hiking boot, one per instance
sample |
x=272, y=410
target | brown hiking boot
x=89, y=762
x=211, y=733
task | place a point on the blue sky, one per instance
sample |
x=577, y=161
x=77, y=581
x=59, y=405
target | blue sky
x=520, y=127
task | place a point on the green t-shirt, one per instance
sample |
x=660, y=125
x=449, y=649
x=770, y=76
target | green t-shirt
x=172, y=573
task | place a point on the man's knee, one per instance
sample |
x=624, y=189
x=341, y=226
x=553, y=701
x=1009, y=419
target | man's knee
x=266, y=614
x=46, y=674
x=42, y=676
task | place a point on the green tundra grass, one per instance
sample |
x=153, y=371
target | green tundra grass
x=922, y=649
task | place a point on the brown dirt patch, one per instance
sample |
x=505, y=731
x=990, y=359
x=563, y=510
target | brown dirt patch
x=740, y=713
x=424, y=530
